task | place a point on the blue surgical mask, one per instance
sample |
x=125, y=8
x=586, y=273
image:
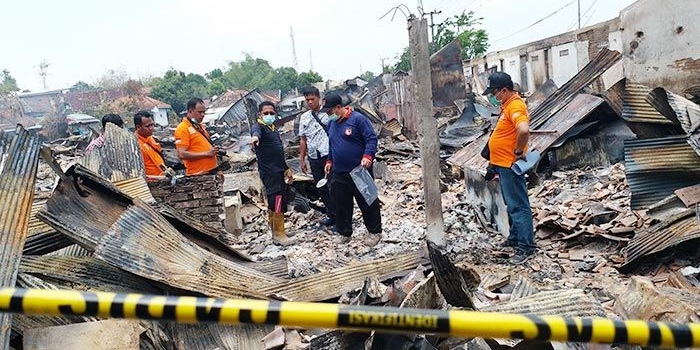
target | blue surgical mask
x=494, y=101
x=333, y=117
x=268, y=119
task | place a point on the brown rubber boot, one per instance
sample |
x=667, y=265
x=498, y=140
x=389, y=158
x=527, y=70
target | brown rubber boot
x=278, y=235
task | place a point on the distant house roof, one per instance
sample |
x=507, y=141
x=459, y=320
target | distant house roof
x=228, y=98
x=83, y=100
x=141, y=101
x=40, y=103
x=274, y=96
x=78, y=118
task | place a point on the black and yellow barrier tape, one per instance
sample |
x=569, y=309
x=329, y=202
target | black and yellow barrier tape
x=322, y=315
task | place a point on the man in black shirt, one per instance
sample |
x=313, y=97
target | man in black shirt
x=273, y=169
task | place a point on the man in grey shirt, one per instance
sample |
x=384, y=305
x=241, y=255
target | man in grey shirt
x=313, y=130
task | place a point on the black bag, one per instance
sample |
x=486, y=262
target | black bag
x=485, y=152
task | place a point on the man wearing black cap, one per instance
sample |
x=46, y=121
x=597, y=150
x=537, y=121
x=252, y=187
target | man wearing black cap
x=508, y=143
x=352, y=143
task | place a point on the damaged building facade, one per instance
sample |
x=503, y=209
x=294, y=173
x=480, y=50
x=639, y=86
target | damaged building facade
x=618, y=91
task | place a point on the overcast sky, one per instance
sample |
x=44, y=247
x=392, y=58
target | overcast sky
x=82, y=39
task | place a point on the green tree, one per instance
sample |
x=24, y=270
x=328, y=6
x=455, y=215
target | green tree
x=404, y=60
x=9, y=84
x=250, y=73
x=368, y=76
x=176, y=88
x=214, y=74
x=309, y=78
x=286, y=79
x=216, y=87
x=81, y=86
x=474, y=42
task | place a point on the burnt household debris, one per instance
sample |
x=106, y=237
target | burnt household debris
x=615, y=200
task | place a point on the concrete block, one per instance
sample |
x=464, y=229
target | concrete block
x=110, y=334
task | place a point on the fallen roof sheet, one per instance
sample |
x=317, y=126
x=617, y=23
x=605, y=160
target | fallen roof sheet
x=636, y=108
x=568, y=303
x=644, y=301
x=216, y=336
x=656, y=167
x=85, y=273
x=675, y=230
x=677, y=108
x=586, y=76
x=41, y=237
x=332, y=284
x=141, y=241
x=447, y=75
x=17, y=180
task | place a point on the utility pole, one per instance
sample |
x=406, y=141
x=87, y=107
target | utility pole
x=432, y=24
x=427, y=129
x=311, y=61
x=42, y=73
x=579, y=14
x=383, y=59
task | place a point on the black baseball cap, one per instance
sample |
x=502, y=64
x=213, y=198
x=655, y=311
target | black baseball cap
x=330, y=101
x=498, y=80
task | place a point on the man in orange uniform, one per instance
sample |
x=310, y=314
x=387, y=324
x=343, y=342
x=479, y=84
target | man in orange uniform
x=507, y=144
x=150, y=148
x=193, y=142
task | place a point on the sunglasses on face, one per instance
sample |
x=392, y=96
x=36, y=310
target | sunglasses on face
x=268, y=113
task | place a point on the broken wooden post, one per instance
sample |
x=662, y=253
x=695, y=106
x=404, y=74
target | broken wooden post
x=455, y=285
x=427, y=128
x=17, y=181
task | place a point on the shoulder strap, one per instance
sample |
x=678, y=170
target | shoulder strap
x=198, y=127
x=324, y=127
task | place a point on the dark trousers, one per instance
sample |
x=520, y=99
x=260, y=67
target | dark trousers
x=318, y=172
x=514, y=190
x=343, y=190
x=275, y=186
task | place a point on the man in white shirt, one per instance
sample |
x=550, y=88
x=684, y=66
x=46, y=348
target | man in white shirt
x=313, y=130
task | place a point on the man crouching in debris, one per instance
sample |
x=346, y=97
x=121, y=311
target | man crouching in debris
x=352, y=142
x=150, y=149
x=194, y=145
x=313, y=133
x=273, y=169
x=507, y=144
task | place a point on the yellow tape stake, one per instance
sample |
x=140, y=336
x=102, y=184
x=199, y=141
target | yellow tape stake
x=323, y=315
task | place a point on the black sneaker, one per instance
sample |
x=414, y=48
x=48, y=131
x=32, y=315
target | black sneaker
x=507, y=244
x=520, y=258
x=328, y=222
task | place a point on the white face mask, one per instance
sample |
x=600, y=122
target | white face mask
x=269, y=119
x=333, y=117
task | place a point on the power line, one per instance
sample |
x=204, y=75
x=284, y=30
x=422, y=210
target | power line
x=536, y=22
x=583, y=15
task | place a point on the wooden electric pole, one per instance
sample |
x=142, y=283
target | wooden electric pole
x=427, y=128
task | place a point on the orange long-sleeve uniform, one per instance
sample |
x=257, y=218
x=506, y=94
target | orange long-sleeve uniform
x=152, y=160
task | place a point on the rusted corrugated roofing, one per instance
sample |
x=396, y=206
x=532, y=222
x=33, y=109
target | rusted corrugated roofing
x=656, y=167
x=675, y=230
x=41, y=237
x=142, y=242
x=567, y=302
x=636, y=109
x=17, y=180
x=85, y=273
x=585, y=77
x=676, y=108
x=120, y=161
x=329, y=285
x=523, y=288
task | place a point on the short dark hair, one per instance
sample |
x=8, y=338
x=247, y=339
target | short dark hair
x=311, y=91
x=140, y=115
x=192, y=103
x=112, y=118
x=265, y=103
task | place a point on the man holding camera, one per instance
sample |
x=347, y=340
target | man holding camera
x=193, y=143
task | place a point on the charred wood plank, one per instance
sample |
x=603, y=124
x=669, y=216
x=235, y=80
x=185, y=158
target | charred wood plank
x=457, y=286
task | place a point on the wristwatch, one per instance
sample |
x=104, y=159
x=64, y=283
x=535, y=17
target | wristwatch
x=518, y=153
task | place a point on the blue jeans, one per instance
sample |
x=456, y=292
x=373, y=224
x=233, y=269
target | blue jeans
x=514, y=190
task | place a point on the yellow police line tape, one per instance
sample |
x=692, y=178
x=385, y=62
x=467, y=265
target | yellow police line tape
x=322, y=315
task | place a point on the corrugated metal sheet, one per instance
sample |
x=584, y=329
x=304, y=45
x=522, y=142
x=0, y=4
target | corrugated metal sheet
x=242, y=114
x=594, y=69
x=676, y=108
x=523, y=288
x=71, y=250
x=656, y=167
x=17, y=181
x=136, y=188
x=142, y=242
x=41, y=237
x=214, y=336
x=568, y=303
x=677, y=229
x=637, y=109
x=447, y=75
x=84, y=206
x=119, y=159
x=329, y=285
x=20, y=322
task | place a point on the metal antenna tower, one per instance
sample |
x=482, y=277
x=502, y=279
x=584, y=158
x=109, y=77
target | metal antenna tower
x=294, y=49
